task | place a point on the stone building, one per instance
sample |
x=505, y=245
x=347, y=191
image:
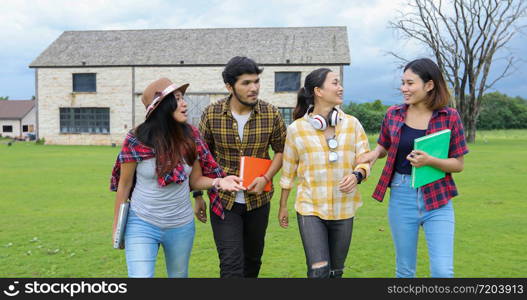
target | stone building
x=89, y=83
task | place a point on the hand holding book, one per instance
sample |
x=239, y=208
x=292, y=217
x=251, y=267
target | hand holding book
x=252, y=172
x=119, y=227
x=258, y=185
x=419, y=158
x=427, y=149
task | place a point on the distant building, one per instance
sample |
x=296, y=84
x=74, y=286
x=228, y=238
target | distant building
x=89, y=83
x=18, y=118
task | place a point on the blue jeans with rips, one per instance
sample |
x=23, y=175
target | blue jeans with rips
x=406, y=213
x=142, y=241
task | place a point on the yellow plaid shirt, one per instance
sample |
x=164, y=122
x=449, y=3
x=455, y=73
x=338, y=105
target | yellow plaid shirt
x=264, y=128
x=306, y=156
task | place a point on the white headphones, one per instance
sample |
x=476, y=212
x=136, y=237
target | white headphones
x=319, y=122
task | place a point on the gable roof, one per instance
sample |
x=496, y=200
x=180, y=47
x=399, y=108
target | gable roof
x=15, y=109
x=170, y=47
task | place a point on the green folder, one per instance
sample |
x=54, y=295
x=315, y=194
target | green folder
x=436, y=145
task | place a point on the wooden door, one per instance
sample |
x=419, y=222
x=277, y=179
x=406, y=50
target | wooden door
x=196, y=103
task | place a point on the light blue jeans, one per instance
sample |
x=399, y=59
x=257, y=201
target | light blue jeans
x=406, y=213
x=142, y=241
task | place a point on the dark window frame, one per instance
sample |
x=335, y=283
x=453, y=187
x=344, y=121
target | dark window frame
x=287, y=114
x=87, y=120
x=25, y=128
x=281, y=86
x=80, y=82
x=7, y=126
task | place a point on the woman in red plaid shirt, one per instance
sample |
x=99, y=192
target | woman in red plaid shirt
x=423, y=112
x=159, y=162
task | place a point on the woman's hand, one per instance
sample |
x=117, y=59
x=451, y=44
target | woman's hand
x=372, y=156
x=283, y=217
x=231, y=183
x=200, y=209
x=419, y=158
x=348, y=184
x=368, y=158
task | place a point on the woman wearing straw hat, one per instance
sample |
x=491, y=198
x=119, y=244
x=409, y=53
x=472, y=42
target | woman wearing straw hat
x=160, y=161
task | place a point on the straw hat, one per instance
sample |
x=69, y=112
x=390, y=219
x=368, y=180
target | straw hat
x=157, y=91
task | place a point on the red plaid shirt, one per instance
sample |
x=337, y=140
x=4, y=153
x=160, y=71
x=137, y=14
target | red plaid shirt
x=439, y=192
x=133, y=151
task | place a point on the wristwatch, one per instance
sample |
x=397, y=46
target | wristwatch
x=197, y=193
x=359, y=176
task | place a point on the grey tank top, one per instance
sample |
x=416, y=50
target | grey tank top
x=164, y=207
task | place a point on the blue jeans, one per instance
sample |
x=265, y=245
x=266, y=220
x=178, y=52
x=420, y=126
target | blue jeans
x=142, y=241
x=406, y=213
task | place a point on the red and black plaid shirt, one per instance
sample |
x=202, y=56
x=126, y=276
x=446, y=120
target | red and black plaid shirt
x=134, y=151
x=439, y=192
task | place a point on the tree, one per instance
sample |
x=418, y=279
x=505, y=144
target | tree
x=4, y=98
x=464, y=36
x=499, y=111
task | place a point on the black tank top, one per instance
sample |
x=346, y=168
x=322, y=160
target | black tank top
x=406, y=145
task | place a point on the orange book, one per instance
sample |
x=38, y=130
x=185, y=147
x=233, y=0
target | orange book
x=252, y=167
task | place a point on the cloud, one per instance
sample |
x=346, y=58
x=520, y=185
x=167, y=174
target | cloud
x=28, y=27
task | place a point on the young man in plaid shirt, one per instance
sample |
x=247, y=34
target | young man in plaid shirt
x=242, y=125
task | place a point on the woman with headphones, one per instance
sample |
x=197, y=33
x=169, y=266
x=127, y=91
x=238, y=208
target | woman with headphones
x=321, y=149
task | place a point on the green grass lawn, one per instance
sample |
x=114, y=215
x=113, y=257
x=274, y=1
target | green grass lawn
x=56, y=216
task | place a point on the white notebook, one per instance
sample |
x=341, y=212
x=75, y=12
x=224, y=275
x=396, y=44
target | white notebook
x=118, y=237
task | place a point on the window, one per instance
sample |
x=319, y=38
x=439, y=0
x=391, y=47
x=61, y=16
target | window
x=7, y=128
x=84, y=82
x=25, y=128
x=94, y=120
x=287, y=114
x=286, y=81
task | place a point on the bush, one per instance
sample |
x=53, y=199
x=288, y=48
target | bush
x=40, y=141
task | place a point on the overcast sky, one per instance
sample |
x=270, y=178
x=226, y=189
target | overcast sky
x=29, y=27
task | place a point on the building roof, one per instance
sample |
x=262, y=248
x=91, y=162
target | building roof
x=15, y=109
x=170, y=47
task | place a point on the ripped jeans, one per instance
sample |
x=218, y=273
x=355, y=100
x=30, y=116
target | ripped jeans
x=326, y=244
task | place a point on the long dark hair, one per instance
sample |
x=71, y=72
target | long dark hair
x=428, y=70
x=171, y=140
x=306, y=94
